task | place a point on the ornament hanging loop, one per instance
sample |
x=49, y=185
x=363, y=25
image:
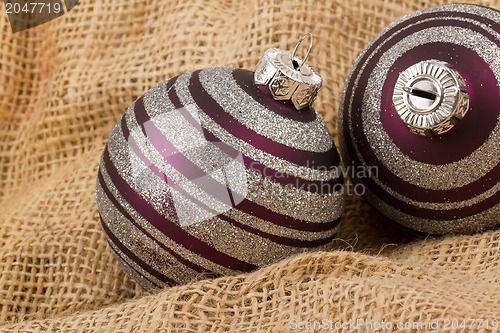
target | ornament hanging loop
x=296, y=65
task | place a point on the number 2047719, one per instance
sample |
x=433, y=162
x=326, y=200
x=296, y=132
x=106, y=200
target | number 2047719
x=470, y=323
x=33, y=8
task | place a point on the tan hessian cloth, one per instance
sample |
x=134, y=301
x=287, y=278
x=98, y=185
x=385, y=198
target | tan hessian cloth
x=64, y=84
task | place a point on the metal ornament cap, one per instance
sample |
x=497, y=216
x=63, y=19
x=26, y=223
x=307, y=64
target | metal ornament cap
x=288, y=77
x=430, y=97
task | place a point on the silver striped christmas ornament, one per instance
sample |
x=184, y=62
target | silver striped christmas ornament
x=211, y=174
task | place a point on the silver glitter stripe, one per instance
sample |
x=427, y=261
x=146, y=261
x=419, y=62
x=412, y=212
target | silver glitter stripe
x=138, y=274
x=171, y=122
x=179, y=249
x=192, y=144
x=294, y=202
x=458, y=8
x=158, y=101
x=277, y=230
x=242, y=244
x=442, y=205
x=276, y=163
x=311, y=136
x=142, y=245
x=297, y=203
x=478, y=222
x=435, y=177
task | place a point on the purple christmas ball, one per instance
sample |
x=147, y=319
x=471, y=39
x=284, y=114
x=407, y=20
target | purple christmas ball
x=421, y=110
x=208, y=174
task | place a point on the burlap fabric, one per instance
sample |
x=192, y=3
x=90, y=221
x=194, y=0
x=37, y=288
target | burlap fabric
x=63, y=85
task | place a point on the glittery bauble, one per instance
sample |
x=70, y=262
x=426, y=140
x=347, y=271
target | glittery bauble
x=440, y=184
x=207, y=174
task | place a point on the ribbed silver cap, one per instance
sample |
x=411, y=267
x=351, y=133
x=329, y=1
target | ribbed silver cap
x=430, y=97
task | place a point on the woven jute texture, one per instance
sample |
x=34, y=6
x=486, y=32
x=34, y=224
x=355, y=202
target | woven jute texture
x=64, y=84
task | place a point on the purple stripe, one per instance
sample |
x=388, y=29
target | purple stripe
x=261, y=94
x=322, y=187
x=205, y=102
x=413, y=191
x=174, y=99
x=122, y=210
x=168, y=227
x=135, y=258
x=245, y=205
x=443, y=215
x=171, y=82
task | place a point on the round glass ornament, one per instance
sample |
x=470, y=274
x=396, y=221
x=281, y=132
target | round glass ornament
x=420, y=110
x=220, y=171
